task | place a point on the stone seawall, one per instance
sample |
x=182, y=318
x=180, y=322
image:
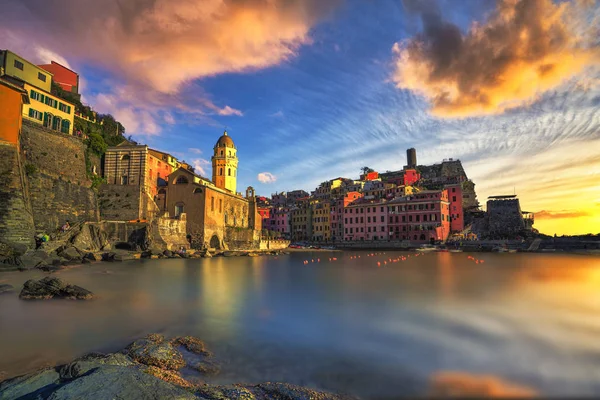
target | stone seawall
x=274, y=244
x=57, y=179
x=16, y=219
x=237, y=238
x=119, y=202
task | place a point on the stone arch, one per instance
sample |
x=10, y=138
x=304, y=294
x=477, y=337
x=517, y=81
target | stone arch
x=125, y=157
x=215, y=243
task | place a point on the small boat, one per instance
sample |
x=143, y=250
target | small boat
x=455, y=251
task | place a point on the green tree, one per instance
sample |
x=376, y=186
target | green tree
x=366, y=170
x=96, y=144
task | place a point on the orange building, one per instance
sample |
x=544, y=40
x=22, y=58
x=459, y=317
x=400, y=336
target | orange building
x=12, y=98
x=68, y=80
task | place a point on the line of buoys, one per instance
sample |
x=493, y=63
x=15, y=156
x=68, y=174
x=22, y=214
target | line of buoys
x=475, y=260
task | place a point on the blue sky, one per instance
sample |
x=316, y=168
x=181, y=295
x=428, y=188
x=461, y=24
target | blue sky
x=330, y=103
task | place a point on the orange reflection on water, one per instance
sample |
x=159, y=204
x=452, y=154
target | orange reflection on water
x=461, y=384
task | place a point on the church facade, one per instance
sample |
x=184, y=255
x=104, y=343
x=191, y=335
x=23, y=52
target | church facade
x=217, y=216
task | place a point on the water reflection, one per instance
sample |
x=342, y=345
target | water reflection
x=347, y=325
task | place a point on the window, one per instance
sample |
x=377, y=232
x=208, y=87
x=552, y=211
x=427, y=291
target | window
x=229, y=171
x=197, y=190
x=220, y=205
x=124, y=180
x=382, y=218
x=382, y=230
x=41, y=77
x=65, y=126
x=212, y=203
x=453, y=198
x=381, y=209
x=18, y=65
x=63, y=107
x=35, y=95
x=125, y=157
x=181, y=180
x=35, y=114
x=220, y=171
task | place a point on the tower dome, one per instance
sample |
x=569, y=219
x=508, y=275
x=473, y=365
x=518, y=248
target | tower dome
x=225, y=141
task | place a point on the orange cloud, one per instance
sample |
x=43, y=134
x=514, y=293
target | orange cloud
x=525, y=47
x=165, y=43
x=560, y=214
x=459, y=384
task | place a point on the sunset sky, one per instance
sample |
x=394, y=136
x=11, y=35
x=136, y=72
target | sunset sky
x=315, y=89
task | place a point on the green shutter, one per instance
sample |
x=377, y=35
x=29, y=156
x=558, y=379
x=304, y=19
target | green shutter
x=31, y=111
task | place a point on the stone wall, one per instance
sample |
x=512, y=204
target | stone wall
x=132, y=233
x=274, y=244
x=237, y=238
x=57, y=155
x=119, y=202
x=16, y=219
x=57, y=179
x=170, y=233
x=505, y=219
x=55, y=201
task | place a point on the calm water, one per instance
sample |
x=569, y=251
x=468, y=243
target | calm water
x=347, y=325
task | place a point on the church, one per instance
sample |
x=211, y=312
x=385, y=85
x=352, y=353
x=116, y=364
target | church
x=217, y=217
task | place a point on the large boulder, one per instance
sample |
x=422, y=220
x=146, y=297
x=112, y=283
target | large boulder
x=119, y=382
x=26, y=385
x=154, y=350
x=90, y=238
x=51, y=287
x=90, y=361
x=70, y=253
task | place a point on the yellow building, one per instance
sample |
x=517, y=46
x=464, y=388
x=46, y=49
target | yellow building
x=44, y=108
x=224, y=164
x=320, y=221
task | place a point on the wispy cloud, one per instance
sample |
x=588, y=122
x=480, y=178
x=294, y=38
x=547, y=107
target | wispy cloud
x=544, y=214
x=201, y=166
x=266, y=177
x=195, y=150
x=278, y=114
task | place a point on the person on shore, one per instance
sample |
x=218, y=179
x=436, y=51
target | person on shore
x=65, y=227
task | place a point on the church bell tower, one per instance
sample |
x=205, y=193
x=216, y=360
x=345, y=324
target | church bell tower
x=224, y=164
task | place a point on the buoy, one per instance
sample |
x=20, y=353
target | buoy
x=318, y=260
x=481, y=261
x=378, y=263
x=385, y=263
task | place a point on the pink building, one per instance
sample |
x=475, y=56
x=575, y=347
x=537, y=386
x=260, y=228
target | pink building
x=337, y=214
x=365, y=220
x=279, y=221
x=421, y=217
x=455, y=197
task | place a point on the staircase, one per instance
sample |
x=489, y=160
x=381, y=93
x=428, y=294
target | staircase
x=535, y=245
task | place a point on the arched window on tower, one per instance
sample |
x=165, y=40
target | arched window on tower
x=220, y=171
x=221, y=152
x=229, y=172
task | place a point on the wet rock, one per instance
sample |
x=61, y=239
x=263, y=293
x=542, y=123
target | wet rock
x=168, y=253
x=120, y=382
x=109, y=257
x=207, y=367
x=5, y=288
x=30, y=260
x=235, y=392
x=69, y=253
x=191, y=344
x=85, y=261
x=51, y=287
x=168, y=376
x=146, y=254
x=285, y=391
x=90, y=257
x=90, y=361
x=27, y=384
x=154, y=350
x=230, y=254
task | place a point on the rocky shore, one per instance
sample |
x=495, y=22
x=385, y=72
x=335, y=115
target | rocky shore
x=152, y=367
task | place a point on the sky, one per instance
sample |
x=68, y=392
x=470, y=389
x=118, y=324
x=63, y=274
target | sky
x=310, y=90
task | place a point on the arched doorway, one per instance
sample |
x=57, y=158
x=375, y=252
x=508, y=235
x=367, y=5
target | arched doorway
x=215, y=243
x=422, y=236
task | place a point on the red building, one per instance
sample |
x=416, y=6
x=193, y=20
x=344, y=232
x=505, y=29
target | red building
x=67, y=79
x=337, y=214
x=420, y=217
x=455, y=197
x=411, y=176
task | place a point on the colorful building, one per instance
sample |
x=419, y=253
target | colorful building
x=279, y=221
x=365, y=219
x=320, y=220
x=457, y=218
x=67, y=79
x=12, y=100
x=337, y=214
x=44, y=108
x=301, y=220
x=421, y=217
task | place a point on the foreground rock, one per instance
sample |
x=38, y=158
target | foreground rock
x=146, y=369
x=50, y=287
